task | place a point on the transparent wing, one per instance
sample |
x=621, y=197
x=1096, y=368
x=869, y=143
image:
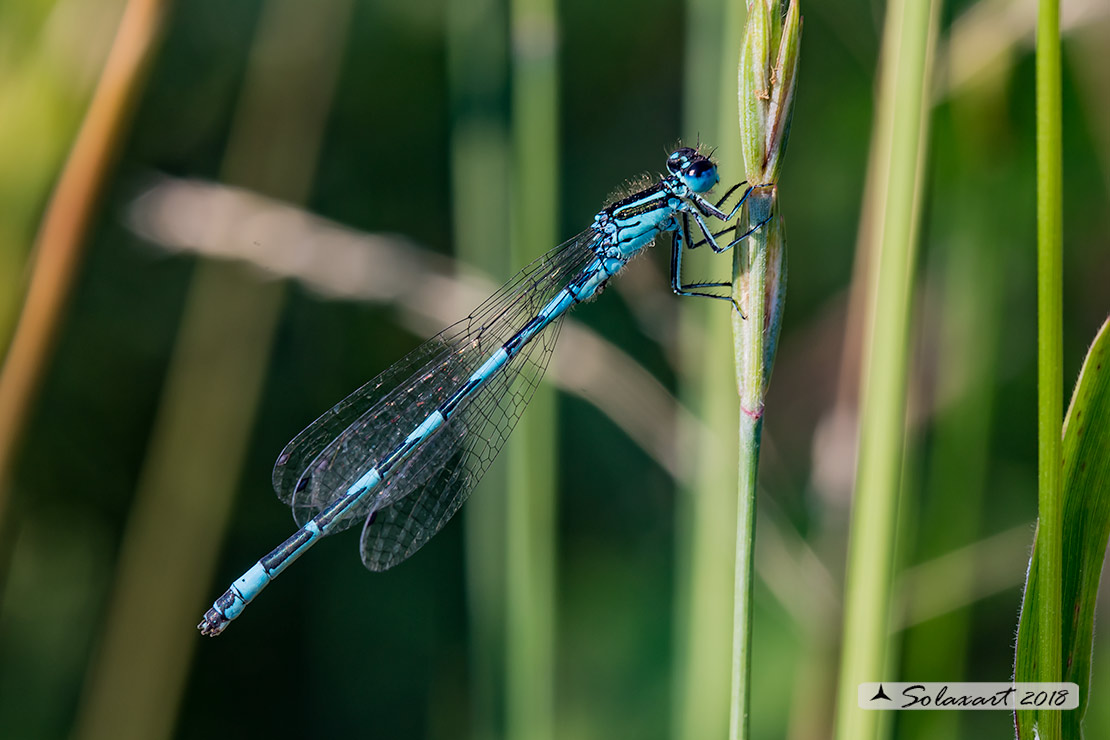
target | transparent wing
x=323, y=461
x=306, y=446
x=445, y=471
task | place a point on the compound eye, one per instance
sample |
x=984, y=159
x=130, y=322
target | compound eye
x=700, y=175
x=699, y=168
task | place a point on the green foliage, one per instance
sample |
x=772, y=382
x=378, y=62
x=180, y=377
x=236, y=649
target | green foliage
x=1086, y=526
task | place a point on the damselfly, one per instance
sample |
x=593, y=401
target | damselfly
x=401, y=454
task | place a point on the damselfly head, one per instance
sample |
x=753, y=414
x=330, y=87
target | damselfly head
x=681, y=158
x=696, y=170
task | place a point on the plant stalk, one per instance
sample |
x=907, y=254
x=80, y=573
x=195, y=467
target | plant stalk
x=478, y=72
x=766, y=80
x=531, y=510
x=749, y=268
x=705, y=504
x=1050, y=386
x=60, y=241
x=902, y=129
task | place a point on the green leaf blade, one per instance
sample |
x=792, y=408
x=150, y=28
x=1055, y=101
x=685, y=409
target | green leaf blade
x=1086, y=481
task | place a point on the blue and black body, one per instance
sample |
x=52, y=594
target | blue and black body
x=401, y=454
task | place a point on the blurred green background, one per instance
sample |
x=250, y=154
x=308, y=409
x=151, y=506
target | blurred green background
x=176, y=379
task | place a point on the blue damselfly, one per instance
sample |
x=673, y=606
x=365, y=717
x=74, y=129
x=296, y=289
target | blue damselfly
x=401, y=454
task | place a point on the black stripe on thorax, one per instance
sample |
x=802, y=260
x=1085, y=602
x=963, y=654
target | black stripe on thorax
x=645, y=201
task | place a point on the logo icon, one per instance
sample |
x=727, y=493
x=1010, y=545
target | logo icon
x=880, y=694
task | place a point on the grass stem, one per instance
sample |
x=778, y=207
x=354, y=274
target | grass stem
x=705, y=503
x=69, y=213
x=750, y=269
x=902, y=124
x=478, y=71
x=1050, y=385
x=531, y=507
